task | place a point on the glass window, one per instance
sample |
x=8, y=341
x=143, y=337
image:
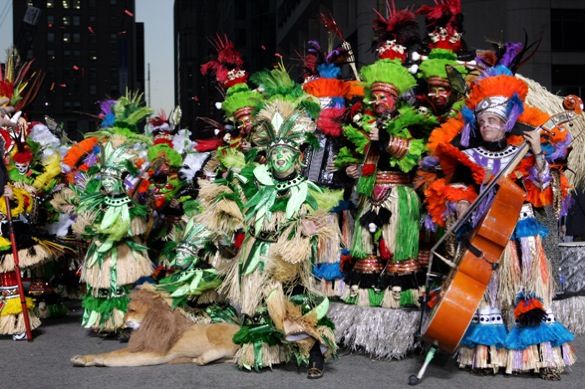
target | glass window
x=92, y=89
x=50, y=37
x=66, y=37
x=66, y=20
x=50, y=4
x=76, y=37
x=51, y=55
x=65, y=4
x=76, y=20
x=77, y=4
x=567, y=29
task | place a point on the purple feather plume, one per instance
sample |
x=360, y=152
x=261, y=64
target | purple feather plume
x=515, y=108
x=106, y=106
x=512, y=51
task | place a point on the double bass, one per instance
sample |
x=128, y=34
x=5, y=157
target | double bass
x=464, y=288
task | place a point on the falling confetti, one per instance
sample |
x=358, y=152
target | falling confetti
x=128, y=12
x=90, y=29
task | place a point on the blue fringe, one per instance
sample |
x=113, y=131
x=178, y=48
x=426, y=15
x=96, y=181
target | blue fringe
x=329, y=70
x=529, y=227
x=108, y=120
x=520, y=338
x=485, y=335
x=327, y=271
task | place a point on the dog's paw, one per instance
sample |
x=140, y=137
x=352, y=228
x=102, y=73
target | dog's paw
x=82, y=360
x=199, y=361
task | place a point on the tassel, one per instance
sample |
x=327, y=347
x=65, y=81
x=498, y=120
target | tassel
x=385, y=254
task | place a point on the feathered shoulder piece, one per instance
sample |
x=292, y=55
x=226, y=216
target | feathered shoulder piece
x=281, y=123
x=228, y=66
x=395, y=34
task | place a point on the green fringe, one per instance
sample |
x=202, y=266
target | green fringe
x=239, y=96
x=407, y=234
x=357, y=137
x=416, y=149
x=105, y=306
x=345, y=158
x=156, y=151
x=265, y=333
x=434, y=66
x=407, y=298
x=375, y=297
x=390, y=72
x=358, y=250
x=365, y=184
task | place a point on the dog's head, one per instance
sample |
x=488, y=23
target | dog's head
x=137, y=310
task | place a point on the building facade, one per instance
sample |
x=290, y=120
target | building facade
x=89, y=49
x=249, y=24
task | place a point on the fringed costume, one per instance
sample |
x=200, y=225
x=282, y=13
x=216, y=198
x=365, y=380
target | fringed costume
x=514, y=329
x=269, y=280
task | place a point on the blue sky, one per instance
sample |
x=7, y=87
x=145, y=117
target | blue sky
x=157, y=16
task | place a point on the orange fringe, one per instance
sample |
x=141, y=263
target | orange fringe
x=496, y=86
x=527, y=306
x=450, y=157
x=326, y=87
x=439, y=193
x=445, y=133
x=78, y=150
x=354, y=89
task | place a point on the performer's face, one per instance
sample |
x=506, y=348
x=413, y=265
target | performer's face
x=383, y=102
x=111, y=185
x=282, y=161
x=440, y=96
x=491, y=127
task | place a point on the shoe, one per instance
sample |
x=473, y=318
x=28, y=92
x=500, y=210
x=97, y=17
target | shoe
x=316, y=363
x=19, y=336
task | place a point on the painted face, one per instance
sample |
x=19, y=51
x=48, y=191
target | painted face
x=245, y=124
x=283, y=161
x=111, y=185
x=384, y=102
x=22, y=168
x=440, y=96
x=491, y=127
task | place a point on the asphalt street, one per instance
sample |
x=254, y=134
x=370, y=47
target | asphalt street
x=44, y=363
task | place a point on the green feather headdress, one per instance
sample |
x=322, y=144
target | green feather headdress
x=434, y=65
x=281, y=123
x=164, y=151
x=240, y=96
x=129, y=110
x=115, y=160
x=388, y=71
x=276, y=84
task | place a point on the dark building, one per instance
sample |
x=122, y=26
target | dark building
x=559, y=63
x=249, y=24
x=89, y=49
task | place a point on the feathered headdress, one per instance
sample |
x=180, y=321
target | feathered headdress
x=497, y=91
x=276, y=84
x=115, y=160
x=396, y=34
x=281, y=123
x=124, y=113
x=389, y=72
x=444, y=24
x=228, y=66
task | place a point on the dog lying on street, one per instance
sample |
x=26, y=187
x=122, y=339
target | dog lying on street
x=164, y=335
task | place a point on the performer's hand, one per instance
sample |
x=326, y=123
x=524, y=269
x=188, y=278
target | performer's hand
x=330, y=168
x=352, y=171
x=374, y=133
x=461, y=207
x=533, y=140
x=8, y=192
